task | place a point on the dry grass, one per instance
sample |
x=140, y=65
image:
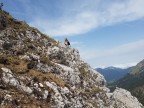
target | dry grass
x=7, y=60
x=22, y=100
x=21, y=68
x=39, y=76
x=92, y=92
x=45, y=59
x=14, y=63
x=93, y=102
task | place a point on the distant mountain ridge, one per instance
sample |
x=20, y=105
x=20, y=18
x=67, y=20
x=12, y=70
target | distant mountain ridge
x=134, y=81
x=113, y=73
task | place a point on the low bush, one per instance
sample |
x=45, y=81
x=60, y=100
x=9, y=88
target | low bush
x=7, y=46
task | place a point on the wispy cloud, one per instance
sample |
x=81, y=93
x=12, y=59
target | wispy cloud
x=76, y=43
x=86, y=16
x=81, y=23
x=132, y=52
x=122, y=66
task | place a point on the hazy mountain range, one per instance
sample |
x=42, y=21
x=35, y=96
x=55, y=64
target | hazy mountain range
x=113, y=73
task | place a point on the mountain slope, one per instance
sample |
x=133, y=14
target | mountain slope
x=36, y=71
x=134, y=81
x=139, y=68
x=113, y=73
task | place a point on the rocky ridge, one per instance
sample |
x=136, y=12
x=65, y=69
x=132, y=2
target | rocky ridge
x=38, y=72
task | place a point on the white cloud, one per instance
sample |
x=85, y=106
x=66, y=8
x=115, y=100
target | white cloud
x=122, y=66
x=81, y=23
x=117, y=50
x=123, y=54
x=86, y=16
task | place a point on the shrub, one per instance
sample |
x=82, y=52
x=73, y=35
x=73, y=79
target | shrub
x=14, y=63
x=83, y=71
x=32, y=47
x=92, y=92
x=20, y=52
x=31, y=65
x=45, y=59
x=7, y=46
x=3, y=60
x=7, y=60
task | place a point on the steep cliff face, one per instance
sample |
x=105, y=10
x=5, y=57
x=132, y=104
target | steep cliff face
x=36, y=71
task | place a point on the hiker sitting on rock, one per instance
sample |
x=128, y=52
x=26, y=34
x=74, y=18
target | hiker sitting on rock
x=1, y=5
x=66, y=42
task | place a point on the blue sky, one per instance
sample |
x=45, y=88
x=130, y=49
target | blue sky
x=106, y=32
